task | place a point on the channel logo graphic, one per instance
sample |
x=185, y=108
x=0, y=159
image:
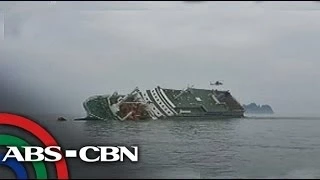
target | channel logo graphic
x=20, y=150
x=20, y=144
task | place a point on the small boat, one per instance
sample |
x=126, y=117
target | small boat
x=61, y=119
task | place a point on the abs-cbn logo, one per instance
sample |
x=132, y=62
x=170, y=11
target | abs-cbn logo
x=51, y=153
x=18, y=150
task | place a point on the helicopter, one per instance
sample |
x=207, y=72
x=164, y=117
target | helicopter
x=217, y=83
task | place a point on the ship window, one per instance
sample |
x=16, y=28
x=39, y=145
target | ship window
x=162, y=105
x=198, y=99
x=154, y=108
x=160, y=102
x=158, y=113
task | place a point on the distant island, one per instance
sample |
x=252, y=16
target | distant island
x=253, y=108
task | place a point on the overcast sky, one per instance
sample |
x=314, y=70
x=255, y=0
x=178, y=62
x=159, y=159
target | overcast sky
x=53, y=55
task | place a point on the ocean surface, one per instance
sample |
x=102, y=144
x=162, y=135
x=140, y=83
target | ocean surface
x=252, y=147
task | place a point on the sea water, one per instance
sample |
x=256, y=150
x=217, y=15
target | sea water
x=252, y=147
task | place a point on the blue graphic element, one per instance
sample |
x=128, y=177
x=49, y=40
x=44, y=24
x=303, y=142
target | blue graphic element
x=16, y=166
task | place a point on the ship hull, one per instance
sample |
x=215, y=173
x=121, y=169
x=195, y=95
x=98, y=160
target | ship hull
x=97, y=107
x=161, y=103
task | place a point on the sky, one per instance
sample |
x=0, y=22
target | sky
x=54, y=55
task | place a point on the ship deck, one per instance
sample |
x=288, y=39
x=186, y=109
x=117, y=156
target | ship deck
x=202, y=98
